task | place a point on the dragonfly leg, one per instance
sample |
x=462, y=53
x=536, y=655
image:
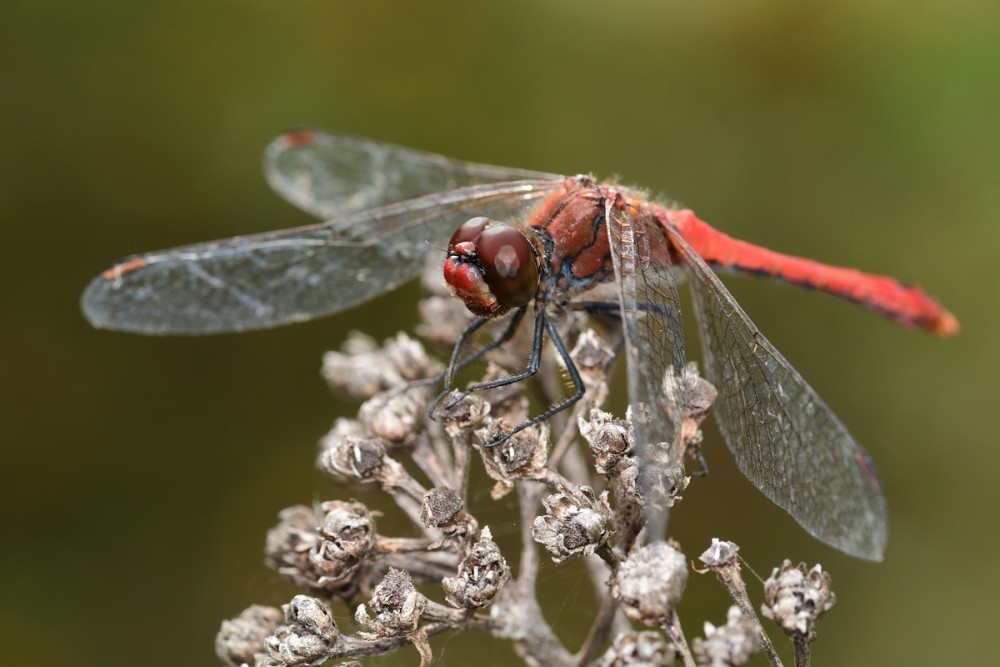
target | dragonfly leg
x=574, y=374
x=454, y=365
x=702, y=463
x=533, y=363
x=508, y=333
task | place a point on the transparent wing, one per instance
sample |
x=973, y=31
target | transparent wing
x=266, y=280
x=654, y=353
x=330, y=175
x=785, y=439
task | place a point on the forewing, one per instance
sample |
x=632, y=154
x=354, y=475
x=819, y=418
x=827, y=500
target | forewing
x=654, y=353
x=330, y=175
x=266, y=280
x=785, y=439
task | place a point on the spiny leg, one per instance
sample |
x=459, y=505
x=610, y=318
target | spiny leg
x=454, y=365
x=574, y=374
x=537, y=338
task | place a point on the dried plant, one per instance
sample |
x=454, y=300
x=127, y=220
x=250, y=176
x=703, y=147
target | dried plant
x=575, y=502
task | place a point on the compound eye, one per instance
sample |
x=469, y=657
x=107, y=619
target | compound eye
x=509, y=264
x=468, y=231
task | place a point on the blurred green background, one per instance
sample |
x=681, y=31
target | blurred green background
x=140, y=475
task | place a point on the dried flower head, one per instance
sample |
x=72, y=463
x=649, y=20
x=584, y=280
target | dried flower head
x=359, y=460
x=696, y=396
x=348, y=537
x=442, y=508
x=240, y=640
x=795, y=597
x=363, y=369
x=438, y=315
x=637, y=649
x=333, y=550
x=396, y=606
x=481, y=575
x=592, y=354
x=460, y=414
x=308, y=637
x=661, y=475
x=395, y=416
x=521, y=456
x=719, y=553
x=313, y=616
x=575, y=524
x=289, y=544
x=728, y=645
x=611, y=441
x=650, y=582
x=322, y=554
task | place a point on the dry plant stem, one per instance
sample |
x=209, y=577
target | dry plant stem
x=440, y=444
x=407, y=493
x=356, y=647
x=408, y=504
x=461, y=440
x=671, y=627
x=463, y=456
x=728, y=574
x=537, y=639
x=402, y=545
x=801, y=651
x=599, y=573
x=568, y=436
x=428, y=458
x=529, y=497
x=422, y=567
x=599, y=632
x=439, y=613
x=419, y=640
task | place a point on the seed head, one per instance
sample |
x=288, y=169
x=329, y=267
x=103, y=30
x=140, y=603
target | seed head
x=650, y=582
x=481, y=575
x=637, y=649
x=574, y=524
x=442, y=508
x=731, y=644
x=522, y=456
x=240, y=640
x=795, y=598
x=363, y=369
x=396, y=606
x=322, y=553
x=610, y=439
x=308, y=637
x=394, y=416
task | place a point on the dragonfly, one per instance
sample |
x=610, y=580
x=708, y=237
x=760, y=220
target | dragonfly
x=520, y=240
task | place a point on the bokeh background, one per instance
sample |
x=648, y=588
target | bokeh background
x=139, y=475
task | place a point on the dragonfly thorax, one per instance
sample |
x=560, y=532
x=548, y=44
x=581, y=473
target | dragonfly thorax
x=491, y=267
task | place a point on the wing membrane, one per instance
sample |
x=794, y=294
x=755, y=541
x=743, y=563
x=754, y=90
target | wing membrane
x=276, y=278
x=786, y=441
x=329, y=175
x=654, y=352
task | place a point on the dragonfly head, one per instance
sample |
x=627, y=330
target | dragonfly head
x=491, y=267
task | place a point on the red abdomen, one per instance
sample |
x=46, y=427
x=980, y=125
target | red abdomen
x=907, y=304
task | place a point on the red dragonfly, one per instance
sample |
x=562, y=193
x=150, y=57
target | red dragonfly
x=529, y=238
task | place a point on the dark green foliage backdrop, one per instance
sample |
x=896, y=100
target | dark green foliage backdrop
x=139, y=475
